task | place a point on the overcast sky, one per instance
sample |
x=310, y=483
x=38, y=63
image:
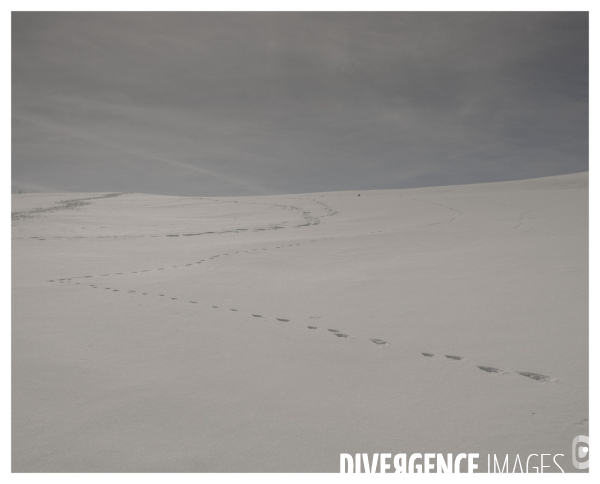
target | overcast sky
x=265, y=103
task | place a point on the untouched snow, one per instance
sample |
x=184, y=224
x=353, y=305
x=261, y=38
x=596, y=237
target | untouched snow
x=154, y=333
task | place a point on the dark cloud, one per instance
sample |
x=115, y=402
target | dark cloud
x=251, y=103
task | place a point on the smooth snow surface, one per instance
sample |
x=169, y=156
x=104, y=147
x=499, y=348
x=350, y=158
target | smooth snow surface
x=154, y=333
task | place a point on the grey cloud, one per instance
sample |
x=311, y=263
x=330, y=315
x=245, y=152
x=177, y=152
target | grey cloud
x=256, y=103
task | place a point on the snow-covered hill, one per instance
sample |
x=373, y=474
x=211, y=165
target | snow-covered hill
x=154, y=333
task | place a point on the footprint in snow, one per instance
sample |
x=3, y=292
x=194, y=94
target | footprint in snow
x=535, y=376
x=379, y=342
x=490, y=369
